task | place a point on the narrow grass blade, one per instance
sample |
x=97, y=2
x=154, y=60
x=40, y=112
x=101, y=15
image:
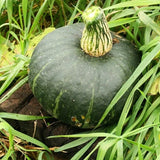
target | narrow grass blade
x=20, y=117
x=132, y=36
x=150, y=44
x=24, y=10
x=90, y=135
x=133, y=3
x=9, y=5
x=14, y=35
x=11, y=25
x=139, y=130
x=128, y=103
x=1, y=4
x=12, y=76
x=104, y=147
x=37, y=18
x=146, y=147
x=9, y=93
x=74, y=12
x=120, y=150
x=130, y=81
x=11, y=149
x=4, y=125
x=154, y=105
x=111, y=154
x=107, y=3
x=72, y=144
x=120, y=22
x=140, y=156
x=123, y=13
x=80, y=153
x=141, y=134
x=90, y=4
x=149, y=22
x=135, y=119
x=156, y=132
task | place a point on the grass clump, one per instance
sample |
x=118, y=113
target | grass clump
x=137, y=134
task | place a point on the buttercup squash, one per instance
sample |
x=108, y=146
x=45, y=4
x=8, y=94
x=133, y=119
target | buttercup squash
x=76, y=70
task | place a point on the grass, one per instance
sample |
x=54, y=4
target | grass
x=136, y=135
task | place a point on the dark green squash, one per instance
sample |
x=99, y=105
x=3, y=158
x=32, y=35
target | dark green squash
x=75, y=87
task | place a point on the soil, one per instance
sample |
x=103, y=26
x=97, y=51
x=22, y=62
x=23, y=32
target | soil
x=23, y=102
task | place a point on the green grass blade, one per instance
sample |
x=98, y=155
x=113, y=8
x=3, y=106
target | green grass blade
x=146, y=147
x=139, y=130
x=154, y=105
x=123, y=13
x=11, y=149
x=74, y=12
x=128, y=103
x=90, y=135
x=1, y=4
x=14, y=35
x=9, y=5
x=132, y=36
x=72, y=144
x=20, y=117
x=80, y=153
x=107, y=3
x=140, y=156
x=111, y=154
x=149, y=124
x=150, y=44
x=143, y=132
x=10, y=92
x=11, y=25
x=37, y=18
x=4, y=125
x=156, y=132
x=120, y=22
x=133, y=3
x=130, y=81
x=104, y=147
x=24, y=10
x=135, y=119
x=12, y=76
x=120, y=150
x=149, y=22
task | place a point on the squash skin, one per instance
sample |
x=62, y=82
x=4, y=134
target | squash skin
x=75, y=87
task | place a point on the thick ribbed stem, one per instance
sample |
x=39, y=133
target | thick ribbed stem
x=96, y=38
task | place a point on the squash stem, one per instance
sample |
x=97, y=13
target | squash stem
x=96, y=38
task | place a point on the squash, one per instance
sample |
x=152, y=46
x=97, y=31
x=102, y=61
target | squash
x=75, y=78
